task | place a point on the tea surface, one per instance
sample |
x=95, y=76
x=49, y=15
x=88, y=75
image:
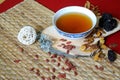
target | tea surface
x=74, y=22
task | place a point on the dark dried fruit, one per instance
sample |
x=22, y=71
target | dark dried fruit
x=110, y=24
x=112, y=56
x=106, y=16
x=107, y=22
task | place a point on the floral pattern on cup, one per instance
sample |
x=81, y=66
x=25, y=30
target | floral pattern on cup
x=72, y=35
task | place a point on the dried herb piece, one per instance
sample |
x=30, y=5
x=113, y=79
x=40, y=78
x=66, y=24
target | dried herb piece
x=95, y=9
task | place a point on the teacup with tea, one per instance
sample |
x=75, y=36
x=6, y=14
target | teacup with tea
x=74, y=22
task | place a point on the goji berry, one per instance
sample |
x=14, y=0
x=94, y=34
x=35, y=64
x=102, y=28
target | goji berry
x=69, y=42
x=48, y=78
x=59, y=58
x=17, y=61
x=75, y=73
x=63, y=40
x=47, y=60
x=54, y=56
x=32, y=69
x=53, y=77
x=53, y=60
x=58, y=64
x=62, y=75
x=53, y=69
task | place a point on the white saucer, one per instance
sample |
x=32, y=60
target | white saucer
x=50, y=31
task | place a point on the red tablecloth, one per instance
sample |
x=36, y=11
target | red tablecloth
x=110, y=6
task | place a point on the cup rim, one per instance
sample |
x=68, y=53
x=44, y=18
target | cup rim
x=54, y=23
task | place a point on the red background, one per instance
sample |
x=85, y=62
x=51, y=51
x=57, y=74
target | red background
x=109, y=6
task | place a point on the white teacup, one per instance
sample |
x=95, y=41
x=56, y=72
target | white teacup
x=74, y=9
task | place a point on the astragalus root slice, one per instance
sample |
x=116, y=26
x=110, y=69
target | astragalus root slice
x=27, y=35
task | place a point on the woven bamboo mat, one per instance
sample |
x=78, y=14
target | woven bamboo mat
x=20, y=62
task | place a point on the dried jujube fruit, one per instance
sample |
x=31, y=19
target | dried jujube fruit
x=112, y=56
x=107, y=22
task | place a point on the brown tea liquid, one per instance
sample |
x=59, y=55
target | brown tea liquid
x=74, y=22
